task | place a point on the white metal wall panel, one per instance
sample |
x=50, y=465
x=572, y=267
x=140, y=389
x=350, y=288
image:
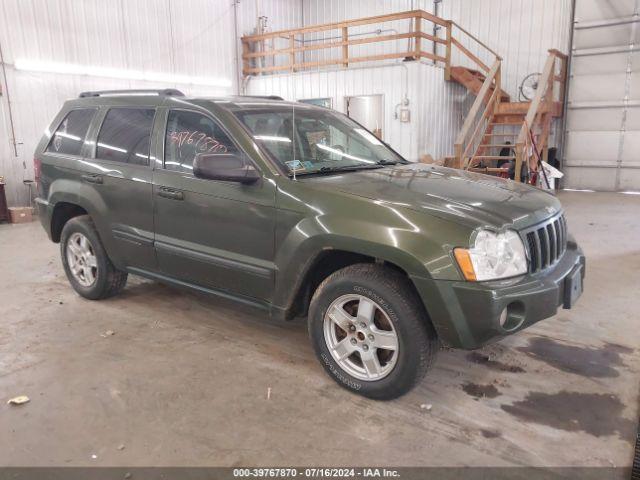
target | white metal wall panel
x=280, y=15
x=328, y=11
x=437, y=107
x=194, y=38
x=276, y=15
x=521, y=31
x=603, y=120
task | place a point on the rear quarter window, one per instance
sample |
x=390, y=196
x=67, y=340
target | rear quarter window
x=70, y=134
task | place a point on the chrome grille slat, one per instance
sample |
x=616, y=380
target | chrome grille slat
x=546, y=243
x=534, y=250
x=552, y=243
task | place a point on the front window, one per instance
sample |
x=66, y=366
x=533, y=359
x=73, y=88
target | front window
x=189, y=133
x=309, y=140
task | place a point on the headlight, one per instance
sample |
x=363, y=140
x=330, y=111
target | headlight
x=493, y=256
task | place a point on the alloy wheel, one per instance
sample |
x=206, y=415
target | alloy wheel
x=81, y=259
x=361, y=337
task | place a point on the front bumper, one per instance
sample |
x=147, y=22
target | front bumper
x=467, y=314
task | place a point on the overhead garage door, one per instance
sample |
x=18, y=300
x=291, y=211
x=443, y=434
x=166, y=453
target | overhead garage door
x=603, y=118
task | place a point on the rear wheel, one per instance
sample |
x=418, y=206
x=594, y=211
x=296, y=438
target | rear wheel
x=85, y=261
x=370, y=331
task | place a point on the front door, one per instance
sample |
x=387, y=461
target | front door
x=215, y=234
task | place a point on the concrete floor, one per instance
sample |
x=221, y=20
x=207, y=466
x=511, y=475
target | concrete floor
x=184, y=380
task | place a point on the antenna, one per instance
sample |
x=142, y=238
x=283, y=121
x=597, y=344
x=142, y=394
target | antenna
x=293, y=127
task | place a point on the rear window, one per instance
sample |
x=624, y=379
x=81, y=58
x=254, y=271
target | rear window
x=125, y=134
x=70, y=134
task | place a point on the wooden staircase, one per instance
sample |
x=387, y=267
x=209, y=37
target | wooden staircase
x=473, y=80
x=497, y=130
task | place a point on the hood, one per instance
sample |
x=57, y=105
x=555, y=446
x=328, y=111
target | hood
x=473, y=198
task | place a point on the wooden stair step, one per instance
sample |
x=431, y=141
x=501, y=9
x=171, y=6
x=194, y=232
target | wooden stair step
x=472, y=80
x=513, y=108
x=510, y=134
x=492, y=157
x=508, y=114
x=501, y=145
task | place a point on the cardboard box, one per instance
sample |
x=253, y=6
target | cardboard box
x=21, y=214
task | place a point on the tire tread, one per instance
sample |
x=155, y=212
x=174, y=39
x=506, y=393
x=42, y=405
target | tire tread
x=417, y=322
x=115, y=279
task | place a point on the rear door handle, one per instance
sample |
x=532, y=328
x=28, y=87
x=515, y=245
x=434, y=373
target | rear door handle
x=92, y=178
x=171, y=194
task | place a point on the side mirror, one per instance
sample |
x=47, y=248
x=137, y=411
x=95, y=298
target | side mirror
x=230, y=167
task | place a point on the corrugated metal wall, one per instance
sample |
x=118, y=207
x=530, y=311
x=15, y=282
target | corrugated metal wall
x=603, y=120
x=194, y=38
x=328, y=11
x=521, y=31
x=437, y=107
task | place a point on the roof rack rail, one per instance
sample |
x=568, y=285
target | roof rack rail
x=167, y=92
x=266, y=97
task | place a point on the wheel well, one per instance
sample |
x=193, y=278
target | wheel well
x=323, y=265
x=62, y=213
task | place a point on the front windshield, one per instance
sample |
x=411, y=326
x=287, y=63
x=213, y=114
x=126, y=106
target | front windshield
x=309, y=140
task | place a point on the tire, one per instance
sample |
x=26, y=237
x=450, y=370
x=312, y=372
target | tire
x=96, y=277
x=397, y=309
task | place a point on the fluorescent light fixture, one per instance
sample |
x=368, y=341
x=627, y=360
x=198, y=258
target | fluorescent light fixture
x=269, y=138
x=94, y=71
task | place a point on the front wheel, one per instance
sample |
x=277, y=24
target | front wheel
x=370, y=331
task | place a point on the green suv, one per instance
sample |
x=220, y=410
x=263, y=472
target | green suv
x=298, y=210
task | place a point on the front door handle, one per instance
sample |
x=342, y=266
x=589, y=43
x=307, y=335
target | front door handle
x=171, y=194
x=92, y=178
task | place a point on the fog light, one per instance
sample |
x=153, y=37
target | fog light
x=503, y=317
x=512, y=317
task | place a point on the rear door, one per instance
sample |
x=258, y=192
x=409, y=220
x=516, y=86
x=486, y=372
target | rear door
x=122, y=175
x=216, y=234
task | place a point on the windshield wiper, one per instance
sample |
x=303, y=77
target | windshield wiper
x=344, y=168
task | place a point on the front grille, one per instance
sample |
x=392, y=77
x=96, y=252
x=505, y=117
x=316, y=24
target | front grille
x=546, y=243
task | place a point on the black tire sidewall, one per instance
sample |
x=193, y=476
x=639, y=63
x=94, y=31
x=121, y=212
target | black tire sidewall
x=405, y=321
x=85, y=226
